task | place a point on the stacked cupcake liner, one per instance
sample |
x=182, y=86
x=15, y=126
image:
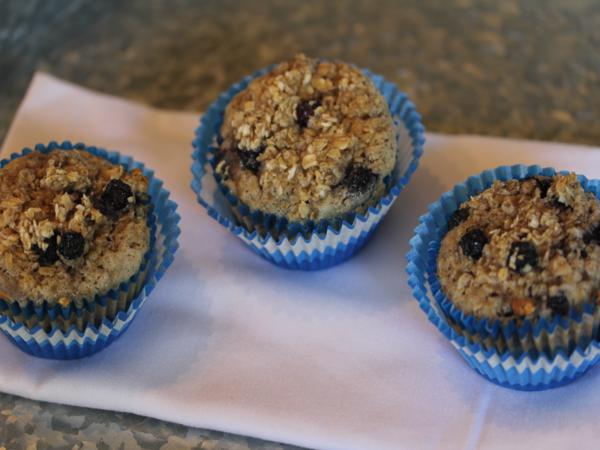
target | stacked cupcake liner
x=84, y=312
x=90, y=312
x=529, y=355
x=541, y=335
x=290, y=245
x=82, y=328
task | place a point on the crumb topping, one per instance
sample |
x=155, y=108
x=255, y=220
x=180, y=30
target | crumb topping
x=57, y=241
x=310, y=140
x=523, y=248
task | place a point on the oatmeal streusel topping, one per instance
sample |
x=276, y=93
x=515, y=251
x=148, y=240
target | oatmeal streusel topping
x=310, y=140
x=72, y=225
x=523, y=248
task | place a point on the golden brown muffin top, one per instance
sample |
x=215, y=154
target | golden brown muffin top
x=72, y=225
x=310, y=140
x=523, y=248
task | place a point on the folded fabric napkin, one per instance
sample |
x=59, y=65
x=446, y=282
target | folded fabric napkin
x=341, y=358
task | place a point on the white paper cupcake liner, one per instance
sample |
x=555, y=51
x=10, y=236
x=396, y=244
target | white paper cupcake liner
x=334, y=244
x=554, y=352
x=78, y=331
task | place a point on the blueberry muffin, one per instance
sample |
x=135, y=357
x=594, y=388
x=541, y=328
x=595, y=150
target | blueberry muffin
x=72, y=225
x=311, y=140
x=523, y=249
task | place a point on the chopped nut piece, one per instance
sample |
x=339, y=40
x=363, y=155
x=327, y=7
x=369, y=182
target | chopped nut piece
x=309, y=161
x=522, y=306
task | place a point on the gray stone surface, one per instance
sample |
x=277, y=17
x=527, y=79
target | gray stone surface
x=26, y=424
x=526, y=69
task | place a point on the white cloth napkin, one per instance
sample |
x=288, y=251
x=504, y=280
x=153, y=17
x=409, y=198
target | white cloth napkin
x=341, y=358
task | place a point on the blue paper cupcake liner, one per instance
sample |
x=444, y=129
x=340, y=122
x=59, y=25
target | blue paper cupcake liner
x=527, y=335
x=569, y=353
x=76, y=331
x=316, y=245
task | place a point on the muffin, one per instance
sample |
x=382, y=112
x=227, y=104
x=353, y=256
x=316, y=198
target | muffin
x=308, y=158
x=309, y=141
x=505, y=266
x=73, y=226
x=523, y=249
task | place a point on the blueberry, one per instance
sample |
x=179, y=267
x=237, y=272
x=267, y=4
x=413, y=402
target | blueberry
x=458, y=217
x=543, y=184
x=75, y=195
x=522, y=257
x=72, y=245
x=114, y=198
x=592, y=236
x=304, y=110
x=359, y=180
x=563, y=245
x=142, y=198
x=556, y=203
x=248, y=159
x=472, y=243
x=559, y=304
x=49, y=256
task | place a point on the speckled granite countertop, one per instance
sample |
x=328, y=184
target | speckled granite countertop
x=526, y=69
